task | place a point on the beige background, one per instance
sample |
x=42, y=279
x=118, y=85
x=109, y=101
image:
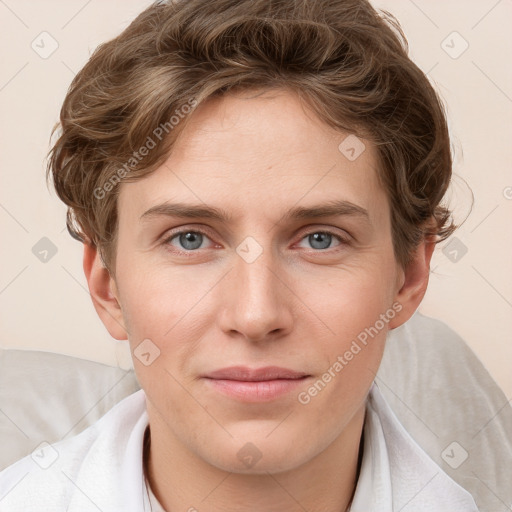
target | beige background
x=46, y=305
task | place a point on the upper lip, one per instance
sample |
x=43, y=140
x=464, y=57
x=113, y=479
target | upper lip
x=244, y=373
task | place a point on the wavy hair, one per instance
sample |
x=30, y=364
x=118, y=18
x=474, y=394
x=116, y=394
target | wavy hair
x=348, y=61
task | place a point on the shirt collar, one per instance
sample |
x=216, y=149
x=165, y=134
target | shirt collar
x=396, y=474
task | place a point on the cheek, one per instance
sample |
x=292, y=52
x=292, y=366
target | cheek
x=351, y=299
x=155, y=297
x=167, y=306
x=353, y=358
x=356, y=309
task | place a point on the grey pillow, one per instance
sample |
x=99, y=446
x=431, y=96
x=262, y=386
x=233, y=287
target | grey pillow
x=437, y=387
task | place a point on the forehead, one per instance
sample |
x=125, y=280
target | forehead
x=242, y=148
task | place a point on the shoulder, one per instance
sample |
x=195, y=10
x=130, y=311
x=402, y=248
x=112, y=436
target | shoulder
x=81, y=469
x=416, y=480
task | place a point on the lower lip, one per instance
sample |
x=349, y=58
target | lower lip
x=261, y=391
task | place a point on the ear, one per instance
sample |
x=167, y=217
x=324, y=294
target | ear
x=104, y=293
x=414, y=280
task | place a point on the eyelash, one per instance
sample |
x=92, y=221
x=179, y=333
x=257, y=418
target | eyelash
x=344, y=241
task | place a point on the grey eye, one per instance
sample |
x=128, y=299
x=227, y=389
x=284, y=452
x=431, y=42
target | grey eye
x=191, y=240
x=320, y=240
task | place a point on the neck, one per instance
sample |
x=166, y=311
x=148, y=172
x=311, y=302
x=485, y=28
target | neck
x=181, y=481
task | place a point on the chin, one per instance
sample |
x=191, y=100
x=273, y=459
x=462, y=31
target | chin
x=259, y=456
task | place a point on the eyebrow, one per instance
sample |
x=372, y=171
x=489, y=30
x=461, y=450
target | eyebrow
x=197, y=211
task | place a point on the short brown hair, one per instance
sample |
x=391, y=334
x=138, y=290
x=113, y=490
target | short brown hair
x=345, y=59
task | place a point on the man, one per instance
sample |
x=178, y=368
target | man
x=256, y=184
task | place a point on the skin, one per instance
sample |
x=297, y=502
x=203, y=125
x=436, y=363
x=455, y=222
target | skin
x=299, y=305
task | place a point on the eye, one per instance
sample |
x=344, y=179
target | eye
x=188, y=240
x=322, y=240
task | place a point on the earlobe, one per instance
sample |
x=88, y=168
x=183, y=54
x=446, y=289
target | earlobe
x=415, y=282
x=104, y=294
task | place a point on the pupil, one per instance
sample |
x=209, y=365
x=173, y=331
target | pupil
x=191, y=240
x=322, y=239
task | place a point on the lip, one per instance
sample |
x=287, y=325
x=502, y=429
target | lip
x=244, y=373
x=255, y=385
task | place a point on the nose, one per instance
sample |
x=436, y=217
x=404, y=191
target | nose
x=256, y=299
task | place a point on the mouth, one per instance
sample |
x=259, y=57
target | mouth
x=244, y=373
x=255, y=385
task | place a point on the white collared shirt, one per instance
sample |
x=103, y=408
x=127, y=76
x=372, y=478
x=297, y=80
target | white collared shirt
x=396, y=474
x=101, y=468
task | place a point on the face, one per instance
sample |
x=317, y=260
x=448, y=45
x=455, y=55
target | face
x=257, y=243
